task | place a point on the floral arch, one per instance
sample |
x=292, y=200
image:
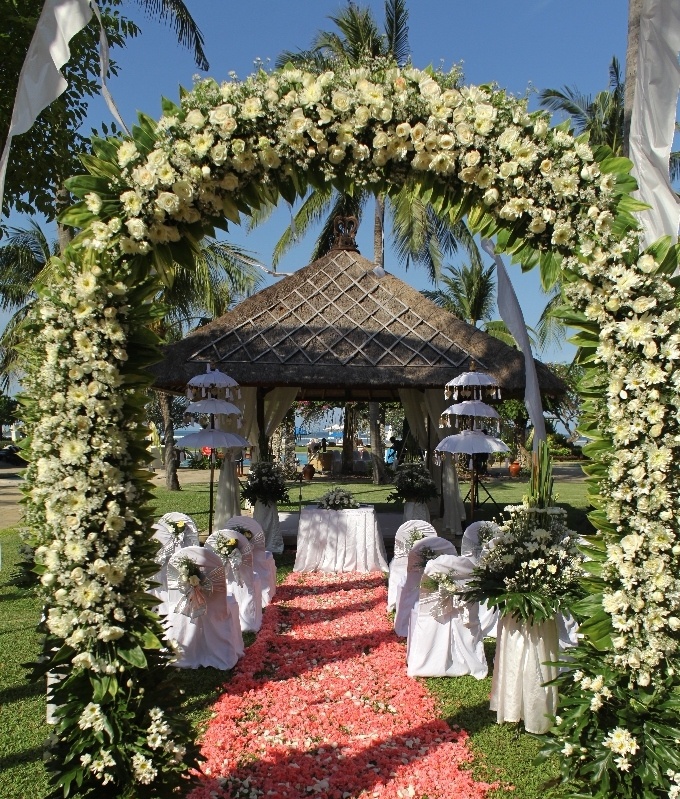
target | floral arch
x=549, y=199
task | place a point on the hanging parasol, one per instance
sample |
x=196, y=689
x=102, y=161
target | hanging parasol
x=471, y=408
x=213, y=380
x=473, y=385
x=215, y=439
x=471, y=442
x=214, y=406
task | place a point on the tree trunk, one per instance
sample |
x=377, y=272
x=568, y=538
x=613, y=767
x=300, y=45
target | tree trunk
x=169, y=453
x=377, y=444
x=348, y=436
x=634, y=7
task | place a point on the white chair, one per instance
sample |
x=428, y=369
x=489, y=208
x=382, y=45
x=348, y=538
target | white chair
x=200, y=619
x=241, y=580
x=190, y=531
x=471, y=548
x=407, y=593
x=401, y=549
x=264, y=564
x=169, y=543
x=444, y=638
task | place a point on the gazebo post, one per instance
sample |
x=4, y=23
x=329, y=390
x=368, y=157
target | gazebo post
x=263, y=441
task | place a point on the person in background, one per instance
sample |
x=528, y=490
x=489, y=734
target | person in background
x=323, y=444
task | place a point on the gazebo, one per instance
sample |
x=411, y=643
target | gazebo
x=342, y=330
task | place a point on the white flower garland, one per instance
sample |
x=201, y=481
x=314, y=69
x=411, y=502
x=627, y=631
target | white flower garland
x=227, y=148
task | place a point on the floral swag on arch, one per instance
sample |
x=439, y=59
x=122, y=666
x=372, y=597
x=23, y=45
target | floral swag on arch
x=547, y=198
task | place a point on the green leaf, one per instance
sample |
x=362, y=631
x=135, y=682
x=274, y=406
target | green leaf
x=135, y=656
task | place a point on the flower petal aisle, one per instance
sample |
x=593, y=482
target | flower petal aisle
x=321, y=706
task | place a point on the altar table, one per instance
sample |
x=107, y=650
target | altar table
x=339, y=541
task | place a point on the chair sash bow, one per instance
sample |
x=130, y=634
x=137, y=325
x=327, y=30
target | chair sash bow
x=195, y=590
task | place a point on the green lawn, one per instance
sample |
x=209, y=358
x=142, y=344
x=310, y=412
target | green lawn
x=504, y=753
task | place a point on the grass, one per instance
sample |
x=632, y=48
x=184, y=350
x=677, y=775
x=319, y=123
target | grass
x=504, y=753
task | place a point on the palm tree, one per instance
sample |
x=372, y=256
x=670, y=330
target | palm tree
x=420, y=236
x=469, y=293
x=601, y=117
x=221, y=273
x=23, y=259
x=188, y=32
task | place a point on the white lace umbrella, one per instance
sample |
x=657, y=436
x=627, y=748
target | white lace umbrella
x=215, y=439
x=471, y=408
x=214, y=406
x=472, y=385
x=213, y=380
x=472, y=442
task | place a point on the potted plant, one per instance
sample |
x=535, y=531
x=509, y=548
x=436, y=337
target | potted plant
x=264, y=488
x=414, y=487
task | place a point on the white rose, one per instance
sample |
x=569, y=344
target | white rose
x=168, y=202
x=336, y=154
x=136, y=228
x=183, y=189
x=195, y=119
x=127, y=152
x=341, y=101
x=252, y=108
x=465, y=133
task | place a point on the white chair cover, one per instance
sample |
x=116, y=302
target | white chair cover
x=518, y=689
x=169, y=543
x=407, y=593
x=264, y=564
x=444, y=638
x=398, y=562
x=200, y=621
x=241, y=580
x=470, y=547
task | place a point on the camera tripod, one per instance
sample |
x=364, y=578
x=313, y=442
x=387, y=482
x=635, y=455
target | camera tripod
x=473, y=494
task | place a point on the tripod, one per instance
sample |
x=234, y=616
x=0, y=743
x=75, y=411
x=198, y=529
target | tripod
x=473, y=494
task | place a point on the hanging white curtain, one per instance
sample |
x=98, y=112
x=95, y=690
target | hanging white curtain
x=444, y=475
x=414, y=409
x=277, y=403
x=228, y=499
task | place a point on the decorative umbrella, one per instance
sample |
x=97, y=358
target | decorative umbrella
x=215, y=439
x=472, y=385
x=210, y=393
x=472, y=442
x=206, y=384
x=214, y=406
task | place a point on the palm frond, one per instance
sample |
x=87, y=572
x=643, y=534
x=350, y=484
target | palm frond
x=396, y=30
x=571, y=102
x=188, y=32
x=314, y=207
x=343, y=205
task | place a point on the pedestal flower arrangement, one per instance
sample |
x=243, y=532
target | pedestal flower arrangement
x=529, y=568
x=414, y=487
x=265, y=487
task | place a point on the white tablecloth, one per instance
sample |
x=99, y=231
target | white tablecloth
x=339, y=541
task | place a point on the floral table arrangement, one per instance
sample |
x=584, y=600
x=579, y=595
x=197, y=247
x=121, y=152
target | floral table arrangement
x=414, y=487
x=338, y=499
x=264, y=488
x=529, y=568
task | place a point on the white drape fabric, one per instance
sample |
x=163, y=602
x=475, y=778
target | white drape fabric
x=471, y=548
x=511, y=314
x=210, y=639
x=228, y=494
x=267, y=515
x=414, y=409
x=445, y=642
x=407, y=593
x=339, y=541
x=40, y=79
x=399, y=561
x=518, y=687
x=415, y=511
x=242, y=582
x=652, y=125
x=264, y=564
x=454, y=508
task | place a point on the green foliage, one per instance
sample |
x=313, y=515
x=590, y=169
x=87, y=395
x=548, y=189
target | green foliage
x=267, y=483
x=412, y=483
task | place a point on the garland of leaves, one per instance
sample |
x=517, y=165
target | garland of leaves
x=549, y=199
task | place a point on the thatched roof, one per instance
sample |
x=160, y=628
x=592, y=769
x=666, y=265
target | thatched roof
x=340, y=331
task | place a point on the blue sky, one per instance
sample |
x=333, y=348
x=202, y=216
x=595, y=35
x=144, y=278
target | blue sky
x=523, y=46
